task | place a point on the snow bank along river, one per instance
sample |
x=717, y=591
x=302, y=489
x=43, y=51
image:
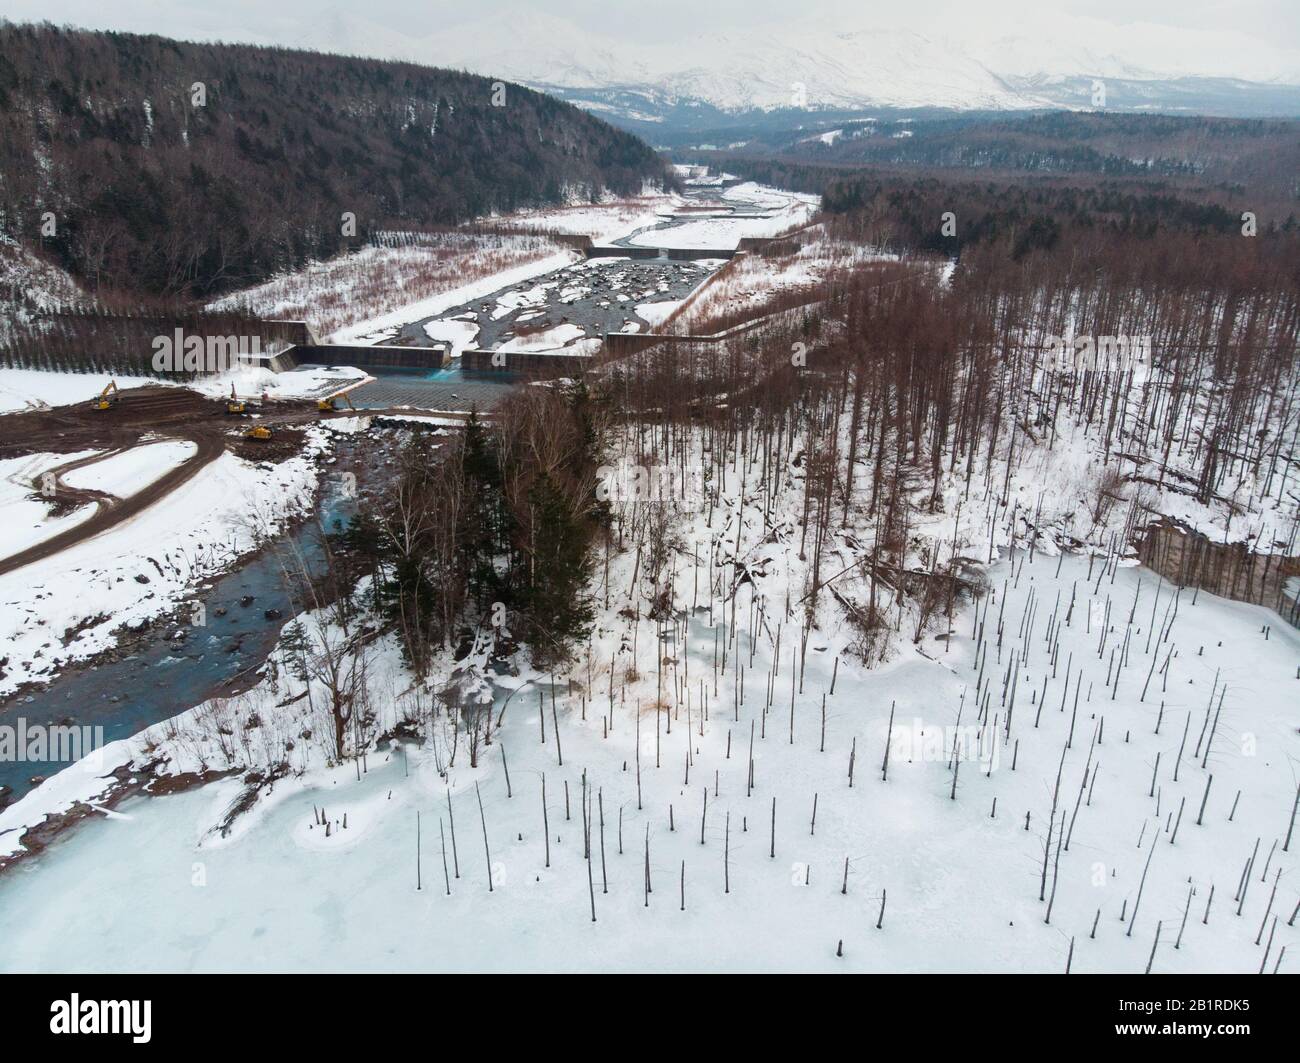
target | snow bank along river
x=166, y=674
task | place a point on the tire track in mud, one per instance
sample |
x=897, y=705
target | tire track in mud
x=80, y=496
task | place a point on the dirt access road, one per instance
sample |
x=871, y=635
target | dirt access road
x=112, y=511
x=153, y=412
x=144, y=415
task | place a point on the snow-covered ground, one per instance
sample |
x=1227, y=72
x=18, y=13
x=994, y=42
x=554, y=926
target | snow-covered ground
x=457, y=333
x=27, y=518
x=26, y=389
x=337, y=295
x=960, y=880
x=23, y=389
x=565, y=335
x=251, y=382
x=750, y=282
x=30, y=288
x=367, y=296
x=132, y=470
x=600, y=221
x=784, y=211
x=386, y=325
x=362, y=296
x=1083, y=764
x=67, y=607
x=656, y=314
x=1093, y=672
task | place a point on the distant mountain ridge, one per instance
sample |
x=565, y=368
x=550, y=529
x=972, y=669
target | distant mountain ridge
x=1051, y=63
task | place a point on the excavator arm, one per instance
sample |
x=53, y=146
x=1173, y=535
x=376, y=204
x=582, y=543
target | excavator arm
x=107, y=397
x=325, y=405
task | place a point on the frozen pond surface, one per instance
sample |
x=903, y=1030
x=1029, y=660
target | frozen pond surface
x=150, y=890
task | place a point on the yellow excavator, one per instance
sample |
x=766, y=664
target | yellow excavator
x=108, y=397
x=259, y=431
x=332, y=402
x=234, y=404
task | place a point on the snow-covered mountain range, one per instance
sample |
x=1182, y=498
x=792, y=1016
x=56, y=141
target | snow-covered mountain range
x=1051, y=61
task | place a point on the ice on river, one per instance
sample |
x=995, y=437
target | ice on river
x=960, y=881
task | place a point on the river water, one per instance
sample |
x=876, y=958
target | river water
x=163, y=676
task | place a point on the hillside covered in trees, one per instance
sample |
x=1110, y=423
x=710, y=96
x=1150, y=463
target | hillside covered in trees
x=897, y=207
x=1190, y=151
x=175, y=168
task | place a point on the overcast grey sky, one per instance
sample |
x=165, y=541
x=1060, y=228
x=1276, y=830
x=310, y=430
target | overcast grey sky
x=1274, y=21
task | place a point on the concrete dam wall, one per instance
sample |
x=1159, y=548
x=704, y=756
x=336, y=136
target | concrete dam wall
x=532, y=363
x=363, y=357
x=672, y=254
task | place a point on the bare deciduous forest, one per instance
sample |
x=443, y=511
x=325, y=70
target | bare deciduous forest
x=899, y=379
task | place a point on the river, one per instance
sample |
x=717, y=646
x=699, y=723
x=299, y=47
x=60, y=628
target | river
x=160, y=676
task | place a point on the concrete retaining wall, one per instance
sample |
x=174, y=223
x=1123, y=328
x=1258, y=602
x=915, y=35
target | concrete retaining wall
x=530, y=363
x=617, y=344
x=771, y=245
x=1230, y=570
x=673, y=254
x=362, y=357
x=296, y=332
